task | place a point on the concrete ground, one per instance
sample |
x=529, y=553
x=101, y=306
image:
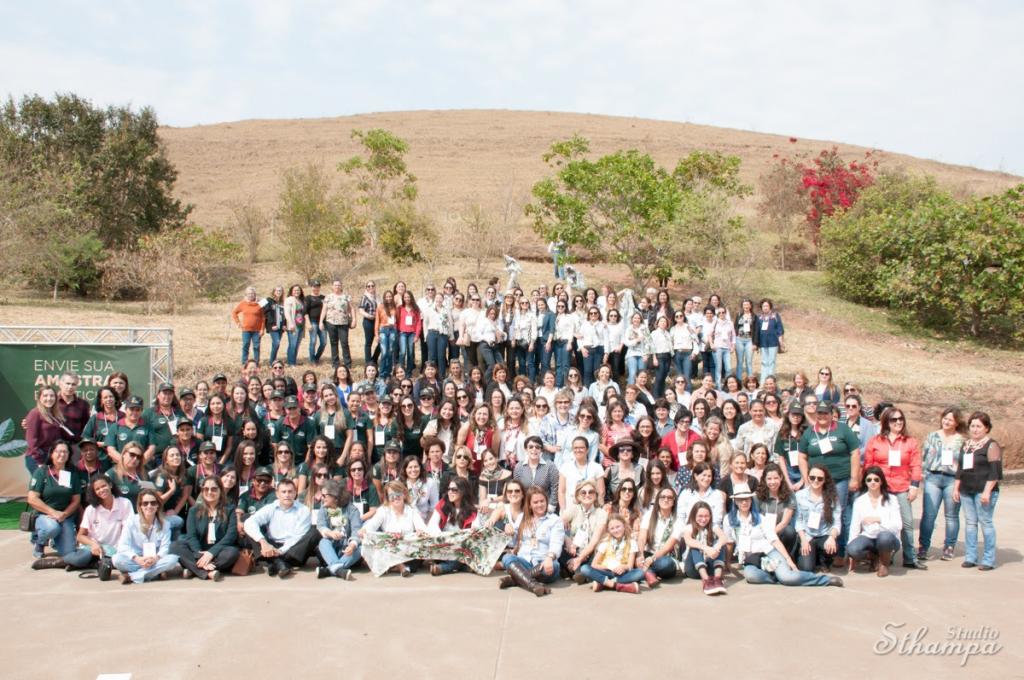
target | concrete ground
x=462, y=626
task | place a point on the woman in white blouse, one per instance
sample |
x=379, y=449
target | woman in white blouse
x=875, y=523
x=661, y=347
x=398, y=516
x=592, y=339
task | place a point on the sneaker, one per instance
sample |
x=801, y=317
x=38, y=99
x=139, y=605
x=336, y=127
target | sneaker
x=947, y=554
x=922, y=554
x=51, y=562
x=344, y=574
x=406, y=571
x=986, y=567
x=709, y=586
x=188, y=574
x=323, y=572
x=968, y=565
x=215, y=576
x=631, y=588
x=835, y=581
x=718, y=586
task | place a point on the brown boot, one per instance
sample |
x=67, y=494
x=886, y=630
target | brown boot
x=506, y=582
x=524, y=580
x=883, y=563
x=52, y=562
x=651, y=578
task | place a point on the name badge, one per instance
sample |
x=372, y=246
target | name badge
x=359, y=506
x=64, y=478
x=814, y=519
x=479, y=449
x=794, y=458
x=329, y=431
x=895, y=459
x=315, y=518
x=746, y=327
x=764, y=326
x=149, y=549
x=408, y=319
x=242, y=489
x=743, y=543
x=947, y=456
x=642, y=463
x=771, y=519
x=211, y=533
x=825, y=445
x=271, y=428
x=968, y=463
x=172, y=424
x=378, y=437
x=218, y=441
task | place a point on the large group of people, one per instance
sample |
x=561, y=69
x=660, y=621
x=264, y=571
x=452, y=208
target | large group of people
x=608, y=438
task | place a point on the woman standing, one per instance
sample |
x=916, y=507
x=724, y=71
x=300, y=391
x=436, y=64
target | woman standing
x=208, y=549
x=386, y=332
x=685, y=347
x=876, y=523
x=126, y=476
x=769, y=340
x=538, y=544
x=979, y=469
x=143, y=552
x=54, y=493
x=365, y=491
x=337, y=318
x=410, y=326
x=637, y=342
x=941, y=451
x=218, y=428
x=623, y=467
x=723, y=342
x=745, y=328
x=44, y=427
x=438, y=326
x=479, y=434
x=826, y=389
x=274, y=322
x=102, y=425
x=295, y=321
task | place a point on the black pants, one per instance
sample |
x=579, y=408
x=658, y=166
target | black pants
x=339, y=335
x=189, y=559
x=370, y=353
x=298, y=553
x=817, y=557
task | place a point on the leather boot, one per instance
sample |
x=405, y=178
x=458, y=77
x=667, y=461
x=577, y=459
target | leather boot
x=52, y=562
x=536, y=573
x=506, y=582
x=884, y=556
x=521, y=575
x=651, y=578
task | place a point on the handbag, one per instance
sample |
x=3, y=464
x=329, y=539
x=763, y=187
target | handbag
x=243, y=566
x=27, y=520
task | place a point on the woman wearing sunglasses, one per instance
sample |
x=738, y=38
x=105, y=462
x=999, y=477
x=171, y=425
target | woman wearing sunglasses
x=339, y=522
x=876, y=523
x=208, y=547
x=397, y=516
x=143, y=551
x=818, y=520
x=539, y=542
x=455, y=512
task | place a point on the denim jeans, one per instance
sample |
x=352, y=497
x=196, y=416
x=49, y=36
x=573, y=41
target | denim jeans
x=508, y=559
x=61, y=533
x=437, y=351
x=250, y=338
x=337, y=334
x=975, y=513
x=175, y=523
x=407, y=351
x=845, y=500
x=744, y=358
x=938, y=489
x=862, y=546
x=634, y=364
x=127, y=565
x=331, y=553
x=683, y=361
x=591, y=362
x=469, y=355
x=661, y=374
x=664, y=567
x=542, y=360
x=387, y=341
x=707, y=363
x=488, y=356
x=768, y=356
x=452, y=566
x=602, y=575
x=907, y=533
x=783, y=574
x=524, y=363
x=317, y=343
x=723, y=357
x=695, y=559
x=81, y=558
x=370, y=353
x=561, y=350
x=275, y=344
x=294, y=340
x=817, y=557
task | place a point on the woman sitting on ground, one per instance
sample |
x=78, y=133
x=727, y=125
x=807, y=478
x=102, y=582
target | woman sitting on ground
x=776, y=503
x=539, y=541
x=612, y=567
x=100, y=532
x=397, y=517
x=705, y=549
x=457, y=511
x=55, y=494
x=339, y=522
x=143, y=552
x=658, y=538
x=584, y=526
x=818, y=520
x=208, y=547
x=875, y=523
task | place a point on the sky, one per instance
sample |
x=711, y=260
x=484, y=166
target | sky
x=938, y=79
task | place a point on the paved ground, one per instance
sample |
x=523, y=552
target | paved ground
x=462, y=626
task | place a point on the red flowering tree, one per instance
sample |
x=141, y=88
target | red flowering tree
x=833, y=184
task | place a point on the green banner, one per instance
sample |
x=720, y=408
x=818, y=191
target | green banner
x=26, y=368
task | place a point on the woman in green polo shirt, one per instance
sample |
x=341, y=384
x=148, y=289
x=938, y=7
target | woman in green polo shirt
x=54, y=492
x=127, y=474
x=334, y=422
x=171, y=481
x=834, y=446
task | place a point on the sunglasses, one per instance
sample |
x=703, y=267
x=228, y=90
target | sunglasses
x=667, y=497
x=514, y=491
x=628, y=489
x=816, y=478
x=134, y=455
x=149, y=504
x=824, y=373
x=261, y=480
x=453, y=489
x=588, y=492
x=540, y=405
x=356, y=469
x=395, y=496
x=321, y=475
x=462, y=457
x=896, y=419
x=870, y=480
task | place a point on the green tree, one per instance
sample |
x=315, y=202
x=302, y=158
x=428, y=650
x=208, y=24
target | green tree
x=317, y=221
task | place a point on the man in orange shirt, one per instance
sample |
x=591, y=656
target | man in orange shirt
x=248, y=315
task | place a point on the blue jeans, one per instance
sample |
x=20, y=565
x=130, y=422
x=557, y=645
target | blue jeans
x=275, y=344
x=250, y=338
x=83, y=557
x=407, y=351
x=707, y=363
x=768, y=355
x=664, y=567
x=369, y=354
x=634, y=365
x=783, y=574
x=695, y=559
x=683, y=361
x=317, y=343
x=61, y=533
x=508, y=559
x=723, y=357
x=294, y=340
x=488, y=356
x=541, y=358
x=437, y=351
x=744, y=358
x=126, y=565
x=591, y=362
x=845, y=500
x=602, y=575
x=907, y=533
x=661, y=374
x=863, y=547
x=561, y=350
x=524, y=363
x=452, y=566
x=976, y=513
x=175, y=523
x=938, y=489
x=387, y=342
x=330, y=553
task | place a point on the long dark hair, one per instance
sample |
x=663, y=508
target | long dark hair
x=883, y=485
x=466, y=508
x=656, y=511
x=828, y=493
x=762, y=486
x=202, y=510
x=692, y=521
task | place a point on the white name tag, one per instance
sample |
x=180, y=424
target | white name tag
x=329, y=431
x=64, y=478
x=771, y=520
x=242, y=489
x=743, y=543
x=746, y=327
x=315, y=518
x=218, y=441
x=947, y=456
x=149, y=549
x=271, y=428
x=895, y=459
x=794, y=458
x=378, y=437
x=359, y=506
x=479, y=449
x=764, y=325
x=814, y=519
x=408, y=319
x=172, y=424
x=968, y=463
x=825, y=445
x=211, y=533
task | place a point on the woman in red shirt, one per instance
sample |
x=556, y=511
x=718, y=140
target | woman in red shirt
x=410, y=324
